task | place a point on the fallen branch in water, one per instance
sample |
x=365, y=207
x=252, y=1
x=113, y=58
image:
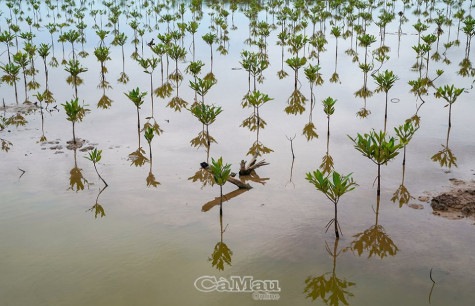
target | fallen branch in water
x=251, y=166
x=230, y=179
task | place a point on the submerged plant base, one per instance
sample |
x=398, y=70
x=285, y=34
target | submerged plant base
x=74, y=146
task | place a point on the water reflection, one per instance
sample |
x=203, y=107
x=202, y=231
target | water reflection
x=293, y=160
x=138, y=158
x=374, y=241
x=328, y=287
x=445, y=157
x=151, y=181
x=204, y=176
x=254, y=177
x=226, y=197
x=222, y=254
x=76, y=179
x=402, y=195
x=97, y=208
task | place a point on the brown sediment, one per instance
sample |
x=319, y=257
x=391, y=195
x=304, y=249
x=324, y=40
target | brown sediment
x=88, y=148
x=74, y=146
x=416, y=206
x=25, y=108
x=457, y=203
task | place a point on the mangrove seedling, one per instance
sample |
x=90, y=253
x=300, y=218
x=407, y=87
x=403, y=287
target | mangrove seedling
x=405, y=133
x=333, y=188
x=221, y=173
x=385, y=81
x=43, y=51
x=74, y=69
x=149, y=65
x=210, y=38
x=21, y=59
x=378, y=148
x=95, y=156
x=202, y=86
x=137, y=98
x=11, y=76
x=314, y=77
x=335, y=31
x=149, y=134
x=102, y=55
x=206, y=114
x=75, y=113
x=120, y=40
x=254, y=122
x=450, y=95
x=296, y=102
x=176, y=53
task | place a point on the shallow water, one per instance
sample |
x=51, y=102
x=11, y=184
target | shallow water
x=153, y=243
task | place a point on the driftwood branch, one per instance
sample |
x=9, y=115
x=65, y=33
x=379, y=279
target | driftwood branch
x=230, y=179
x=251, y=165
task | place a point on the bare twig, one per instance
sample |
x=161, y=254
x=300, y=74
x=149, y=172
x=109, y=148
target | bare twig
x=291, y=145
x=23, y=172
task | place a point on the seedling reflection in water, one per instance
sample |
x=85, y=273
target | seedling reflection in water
x=95, y=156
x=405, y=133
x=222, y=253
x=221, y=174
x=328, y=283
x=76, y=179
x=333, y=189
x=150, y=178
